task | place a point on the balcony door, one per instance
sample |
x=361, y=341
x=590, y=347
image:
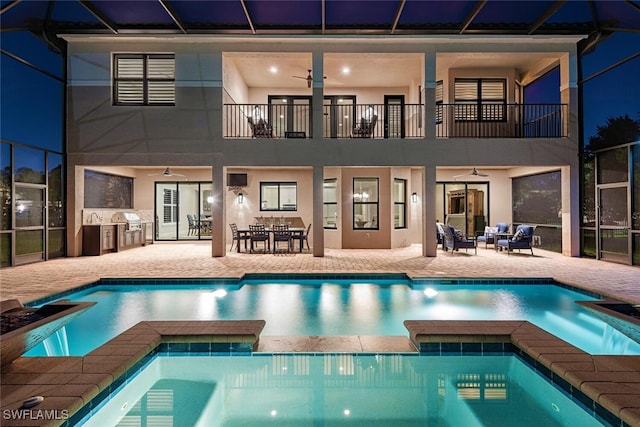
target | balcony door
x=290, y=116
x=394, y=116
x=339, y=113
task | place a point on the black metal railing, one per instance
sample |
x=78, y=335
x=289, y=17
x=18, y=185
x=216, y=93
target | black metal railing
x=388, y=121
x=267, y=121
x=501, y=120
x=396, y=121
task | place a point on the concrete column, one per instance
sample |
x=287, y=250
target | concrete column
x=214, y=72
x=570, y=189
x=429, y=123
x=571, y=209
x=218, y=214
x=74, y=205
x=318, y=226
x=429, y=238
x=318, y=95
x=569, y=93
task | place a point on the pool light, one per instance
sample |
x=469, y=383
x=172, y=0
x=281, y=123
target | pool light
x=219, y=293
x=346, y=412
x=274, y=412
x=430, y=292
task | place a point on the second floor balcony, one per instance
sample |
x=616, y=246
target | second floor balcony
x=396, y=120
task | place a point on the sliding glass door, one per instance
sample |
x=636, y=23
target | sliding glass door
x=183, y=210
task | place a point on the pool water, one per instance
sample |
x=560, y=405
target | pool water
x=339, y=307
x=339, y=389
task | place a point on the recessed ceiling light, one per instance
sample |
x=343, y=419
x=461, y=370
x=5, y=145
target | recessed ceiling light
x=346, y=70
x=273, y=69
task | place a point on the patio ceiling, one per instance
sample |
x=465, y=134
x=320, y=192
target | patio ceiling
x=385, y=17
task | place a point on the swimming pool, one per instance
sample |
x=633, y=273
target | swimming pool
x=334, y=306
x=337, y=389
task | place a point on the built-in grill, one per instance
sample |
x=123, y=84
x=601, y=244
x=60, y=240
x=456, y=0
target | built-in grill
x=130, y=218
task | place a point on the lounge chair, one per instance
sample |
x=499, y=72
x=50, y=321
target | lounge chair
x=365, y=128
x=489, y=234
x=455, y=241
x=521, y=239
x=260, y=129
x=440, y=235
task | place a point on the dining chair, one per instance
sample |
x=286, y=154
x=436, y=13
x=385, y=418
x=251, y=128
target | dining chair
x=258, y=233
x=193, y=225
x=281, y=233
x=302, y=237
x=237, y=237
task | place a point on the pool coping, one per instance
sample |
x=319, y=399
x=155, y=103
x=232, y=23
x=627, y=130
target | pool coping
x=607, y=385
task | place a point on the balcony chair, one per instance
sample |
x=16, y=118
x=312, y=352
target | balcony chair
x=302, y=237
x=489, y=234
x=258, y=233
x=237, y=237
x=261, y=129
x=365, y=128
x=281, y=233
x=455, y=241
x=522, y=239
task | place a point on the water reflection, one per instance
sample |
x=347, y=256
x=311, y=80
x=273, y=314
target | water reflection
x=336, y=308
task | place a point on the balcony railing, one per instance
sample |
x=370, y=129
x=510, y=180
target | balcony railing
x=396, y=121
x=501, y=120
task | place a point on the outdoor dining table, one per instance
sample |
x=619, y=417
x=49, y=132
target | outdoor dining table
x=244, y=233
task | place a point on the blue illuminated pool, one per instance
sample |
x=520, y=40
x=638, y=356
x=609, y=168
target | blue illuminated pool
x=371, y=390
x=334, y=306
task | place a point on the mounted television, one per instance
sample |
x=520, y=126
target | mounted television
x=237, y=179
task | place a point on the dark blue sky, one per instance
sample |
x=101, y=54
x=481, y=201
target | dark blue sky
x=616, y=92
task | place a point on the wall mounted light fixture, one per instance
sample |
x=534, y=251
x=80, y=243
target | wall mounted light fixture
x=240, y=198
x=414, y=197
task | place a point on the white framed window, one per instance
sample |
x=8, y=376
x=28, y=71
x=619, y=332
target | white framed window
x=169, y=206
x=399, y=203
x=330, y=203
x=365, y=203
x=144, y=79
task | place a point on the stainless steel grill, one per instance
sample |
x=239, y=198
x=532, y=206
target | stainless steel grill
x=130, y=218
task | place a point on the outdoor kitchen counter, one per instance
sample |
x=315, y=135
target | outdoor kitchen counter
x=98, y=239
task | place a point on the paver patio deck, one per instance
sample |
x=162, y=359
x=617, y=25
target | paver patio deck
x=193, y=259
x=68, y=389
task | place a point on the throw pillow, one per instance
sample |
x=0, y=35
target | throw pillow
x=459, y=235
x=490, y=231
x=518, y=236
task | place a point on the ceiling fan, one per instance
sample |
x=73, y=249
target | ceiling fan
x=168, y=173
x=309, y=78
x=474, y=172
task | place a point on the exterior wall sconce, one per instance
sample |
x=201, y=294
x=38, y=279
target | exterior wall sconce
x=414, y=197
x=240, y=198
